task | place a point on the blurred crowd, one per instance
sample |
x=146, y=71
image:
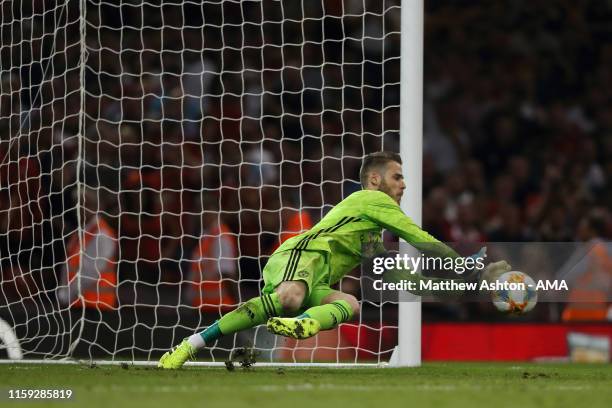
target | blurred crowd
x=265, y=107
x=518, y=120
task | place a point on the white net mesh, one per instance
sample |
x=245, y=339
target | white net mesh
x=195, y=138
x=39, y=124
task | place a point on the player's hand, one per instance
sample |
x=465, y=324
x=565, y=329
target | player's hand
x=494, y=270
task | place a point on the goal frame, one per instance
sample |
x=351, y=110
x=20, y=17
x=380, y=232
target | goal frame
x=408, y=351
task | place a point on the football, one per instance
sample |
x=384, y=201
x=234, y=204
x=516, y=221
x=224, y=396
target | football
x=515, y=293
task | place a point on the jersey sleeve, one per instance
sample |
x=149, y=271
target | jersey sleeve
x=382, y=210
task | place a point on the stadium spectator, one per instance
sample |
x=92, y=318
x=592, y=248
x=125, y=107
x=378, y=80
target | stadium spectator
x=212, y=280
x=89, y=277
x=591, y=278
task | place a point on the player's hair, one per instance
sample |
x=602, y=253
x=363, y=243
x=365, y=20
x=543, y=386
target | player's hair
x=376, y=160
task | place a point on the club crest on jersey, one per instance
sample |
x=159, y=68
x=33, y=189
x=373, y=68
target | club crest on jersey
x=370, y=244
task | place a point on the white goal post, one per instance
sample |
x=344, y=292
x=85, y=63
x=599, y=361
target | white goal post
x=154, y=153
x=411, y=149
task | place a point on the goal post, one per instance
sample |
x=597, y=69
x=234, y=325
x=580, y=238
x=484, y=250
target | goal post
x=408, y=352
x=154, y=153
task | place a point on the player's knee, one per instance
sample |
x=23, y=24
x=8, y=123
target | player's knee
x=291, y=301
x=291, y=296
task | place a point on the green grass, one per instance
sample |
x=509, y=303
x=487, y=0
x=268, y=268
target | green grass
x=435, y=384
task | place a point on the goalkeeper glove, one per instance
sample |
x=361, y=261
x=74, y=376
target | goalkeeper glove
x=495, y=270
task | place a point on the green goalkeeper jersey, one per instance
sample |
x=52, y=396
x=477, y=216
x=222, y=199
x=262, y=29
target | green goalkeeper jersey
x=356, y=223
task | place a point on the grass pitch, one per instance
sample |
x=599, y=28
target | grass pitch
x=434, y=384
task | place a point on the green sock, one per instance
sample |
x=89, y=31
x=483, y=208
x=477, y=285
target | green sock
x=331, y=314
x=251, y=313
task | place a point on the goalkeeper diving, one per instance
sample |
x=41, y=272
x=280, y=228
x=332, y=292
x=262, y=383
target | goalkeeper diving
x=297, y=299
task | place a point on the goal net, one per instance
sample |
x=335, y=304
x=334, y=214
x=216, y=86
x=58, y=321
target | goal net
x=154, y=154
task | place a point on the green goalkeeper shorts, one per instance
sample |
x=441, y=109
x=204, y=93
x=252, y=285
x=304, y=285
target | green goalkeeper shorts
x=310, y=267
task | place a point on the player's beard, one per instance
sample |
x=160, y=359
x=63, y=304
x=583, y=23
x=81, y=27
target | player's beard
x=384, y=187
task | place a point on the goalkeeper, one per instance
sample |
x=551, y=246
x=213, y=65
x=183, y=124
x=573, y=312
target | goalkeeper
x=297, y=299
